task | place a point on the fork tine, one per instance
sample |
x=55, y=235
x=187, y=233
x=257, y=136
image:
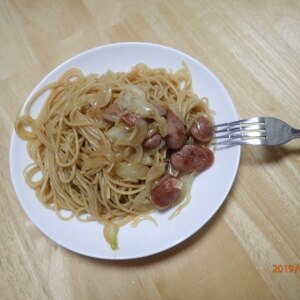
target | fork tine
x=229, y=142
x=246, y=131
x=249, y=126
x=243, y=121
x=242, y=135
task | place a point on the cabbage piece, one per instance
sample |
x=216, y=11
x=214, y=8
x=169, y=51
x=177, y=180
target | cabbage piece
x=118, y=135
x=131, y=171
x=136, y=103
x=110, y=233
x=123, y=136
x=156, y=171
x=139, y=133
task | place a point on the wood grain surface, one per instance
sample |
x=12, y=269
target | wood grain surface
x=254, y=48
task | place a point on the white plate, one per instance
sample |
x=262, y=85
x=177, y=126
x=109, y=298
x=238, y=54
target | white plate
x=209, y=188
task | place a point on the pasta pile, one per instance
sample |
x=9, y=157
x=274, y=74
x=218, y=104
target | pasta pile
x=90, y=160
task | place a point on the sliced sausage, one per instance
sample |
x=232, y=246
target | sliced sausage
x=112, y=112
x=165, y=192
x=202, y=129
x=176, y=132
x=192, y=158
x=130, y=118
x=152, y=142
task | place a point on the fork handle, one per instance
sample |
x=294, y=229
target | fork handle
x=295, y=133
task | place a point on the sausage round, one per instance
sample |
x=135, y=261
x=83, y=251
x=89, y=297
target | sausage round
x=165, y=192
x=130, y=118
x=202, y=129
x=192, y=158
x=152, y=142
x=176, y=132
x=112, y=112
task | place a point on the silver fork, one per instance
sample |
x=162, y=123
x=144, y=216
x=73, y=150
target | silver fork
x=255, y=131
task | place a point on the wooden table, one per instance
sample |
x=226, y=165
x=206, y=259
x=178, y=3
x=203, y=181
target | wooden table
x=245, y=251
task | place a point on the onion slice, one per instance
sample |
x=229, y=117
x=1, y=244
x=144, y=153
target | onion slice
x=131, y=171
